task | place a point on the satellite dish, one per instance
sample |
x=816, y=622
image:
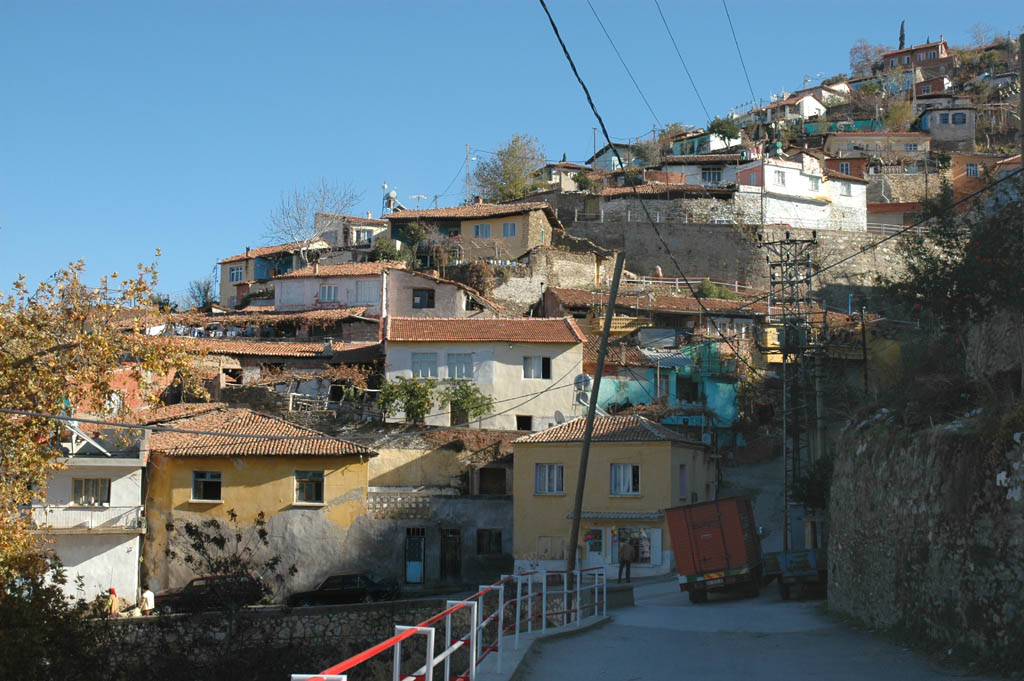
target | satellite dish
x=559, y=417
x=392, y=194
x=582, y=382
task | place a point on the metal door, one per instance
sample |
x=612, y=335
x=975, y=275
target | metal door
x=415, y=539
x=594, y=556
x=451, y=554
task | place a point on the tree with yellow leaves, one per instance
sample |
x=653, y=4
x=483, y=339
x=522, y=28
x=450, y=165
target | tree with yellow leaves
x=61, y=344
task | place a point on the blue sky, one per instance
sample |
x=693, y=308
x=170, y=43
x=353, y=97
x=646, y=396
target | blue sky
x=127, y=126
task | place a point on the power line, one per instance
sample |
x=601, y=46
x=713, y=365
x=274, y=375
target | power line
x=740, y=53
x=636, y=193
x=681, y=61
x=623, y=62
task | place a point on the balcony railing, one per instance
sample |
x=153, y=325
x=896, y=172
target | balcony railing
x=108, y=518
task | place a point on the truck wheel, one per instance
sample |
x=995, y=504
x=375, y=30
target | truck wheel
x=697, y=597
x=783, y=590
x=752, y=589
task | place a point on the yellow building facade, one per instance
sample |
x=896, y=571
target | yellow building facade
x=636, y=469
x=311, y=488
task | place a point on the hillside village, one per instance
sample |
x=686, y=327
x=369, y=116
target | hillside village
x=420, y=378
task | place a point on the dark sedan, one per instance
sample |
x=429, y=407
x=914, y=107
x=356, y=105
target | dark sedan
x=347, y=587
x=216, y=592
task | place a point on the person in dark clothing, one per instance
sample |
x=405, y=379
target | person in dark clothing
x=627, y=554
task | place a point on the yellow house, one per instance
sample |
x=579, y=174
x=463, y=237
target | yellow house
x=637, y=468
x=311, y=487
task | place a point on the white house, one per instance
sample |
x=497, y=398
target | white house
x=800, y=192
x=702, y=142
x=357, y=284
x=93, y=510
x=707, y=170
x=528, y=365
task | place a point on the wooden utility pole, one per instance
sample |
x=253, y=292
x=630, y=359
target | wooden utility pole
x=588, y=428
x=593, y=159
x=468, y=197
x=864, y=347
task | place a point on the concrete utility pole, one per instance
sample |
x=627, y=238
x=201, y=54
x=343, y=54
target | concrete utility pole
x=588, y=428
x=1020, y=110
x=468, y=197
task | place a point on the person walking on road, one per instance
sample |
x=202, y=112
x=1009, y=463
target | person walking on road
x=627, y=554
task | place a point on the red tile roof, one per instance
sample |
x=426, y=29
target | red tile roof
x=267, y=251
x=356, y=220
x=512, y=330
x=271, y=436
x=476, y=210
x=620, y=354
x=175, y=411
x=836, y=175
x=899, y=207
x=265, y=314
x=349, y=269
x=913, y=48
x=257, y=348
x=644, y=300
x=608, y=429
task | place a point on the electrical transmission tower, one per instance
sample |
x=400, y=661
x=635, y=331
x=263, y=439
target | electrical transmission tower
x=798, y=326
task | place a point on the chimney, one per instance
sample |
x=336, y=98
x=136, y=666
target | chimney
x=478, y=200
x=247, y=251
x=316, y=268
x=369, y=215
x=328, y=346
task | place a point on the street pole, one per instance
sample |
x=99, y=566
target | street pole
x=468, y=197
x=864, y=347
x=588, y=428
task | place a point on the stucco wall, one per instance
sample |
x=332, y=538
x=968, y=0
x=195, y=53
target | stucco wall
x=927, y=539
x=102, y=561
x=306, y=535
x=498, y=371
x=303, y=293
x=449, y=300
x=540, y=516
x=435, y=467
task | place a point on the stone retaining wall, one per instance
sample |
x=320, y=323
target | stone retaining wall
x=927, y=540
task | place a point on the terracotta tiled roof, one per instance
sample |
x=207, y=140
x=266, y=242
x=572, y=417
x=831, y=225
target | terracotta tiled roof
x=512, y=330
x=836, y=175
x=175, y=411
x=701, y=158
x=643, y=300
x=267, y=251
x=654, y=188
x=901, y=207
x=620, y=354
x=265, y=314
x=476, y=210
x=879, y=134
x=300, y=442
x=913, y=48
x=356, y=220
x=349, y=269
x=608, y=429
x=256, y=348
x=567, y=164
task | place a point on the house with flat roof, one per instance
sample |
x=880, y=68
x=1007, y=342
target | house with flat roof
x=251, y=272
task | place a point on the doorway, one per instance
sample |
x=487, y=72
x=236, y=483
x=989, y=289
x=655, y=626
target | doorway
x=451, y=554
x=415, y=541
x=594, y=542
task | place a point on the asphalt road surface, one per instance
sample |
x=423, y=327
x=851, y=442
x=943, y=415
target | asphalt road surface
x=666, y=638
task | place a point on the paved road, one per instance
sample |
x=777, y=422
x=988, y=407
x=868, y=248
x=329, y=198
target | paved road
x=729, y=639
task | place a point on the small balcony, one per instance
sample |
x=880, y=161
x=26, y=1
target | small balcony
x=89, y=519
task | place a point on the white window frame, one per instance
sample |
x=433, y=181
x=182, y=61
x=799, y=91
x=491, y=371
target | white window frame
x=423, y=364
x=548, y=478
x=972, y=170
x=533, y=368
x=328, y=293
x=429, y=296
x=961, y=115
x=235, y=273
x=309, y=481
x=711, y=174
x=624, y=480
x=814, y=182
x=933, y=54
x=363, y=236
x=845, y=189
x=207, y=476
x=482, y=230
x=460, y=365
x=910, y=147
x=367, y=292
x=944, y=119
x=779, y=178
x=508, y=230
x=844, y=167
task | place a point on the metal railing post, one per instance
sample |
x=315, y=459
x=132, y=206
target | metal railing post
x=544, y=601
x=397, y=668
x=448, y=640
x=519, y=604
x=429, y=672
x=565, y=598
x=578, y=595
x=604, y=591
x=602, y=215
x=501, y=618
x=529, y=605
x=474, y=639
x=576, y=215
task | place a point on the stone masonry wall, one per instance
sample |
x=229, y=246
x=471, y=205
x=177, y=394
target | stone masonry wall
x=927, y=540
x=731, y=252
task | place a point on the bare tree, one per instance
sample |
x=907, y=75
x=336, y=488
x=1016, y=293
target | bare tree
x=294, y=219
x=864, y=55
x=199, y=293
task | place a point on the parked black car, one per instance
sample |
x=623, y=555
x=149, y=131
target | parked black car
x=216, y=592
x=347, y=587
